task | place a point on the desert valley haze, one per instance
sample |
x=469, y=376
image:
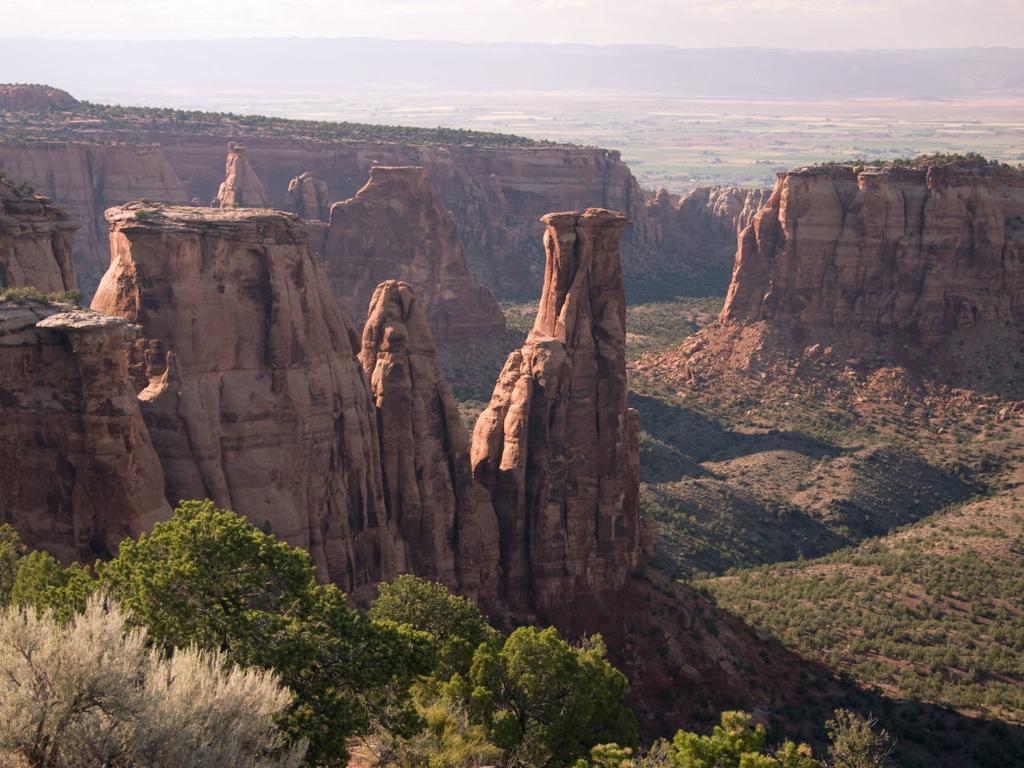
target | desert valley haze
x=551, y=384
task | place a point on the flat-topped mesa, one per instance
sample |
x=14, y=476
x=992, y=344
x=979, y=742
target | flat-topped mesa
x=26, y=97
x=249, y=380
x=446, y=521
x=397, y=228
x=557, y=447
x=241, y=187
x=909, y=253
x=35, y=242
x=309, y=197
x=77, y=468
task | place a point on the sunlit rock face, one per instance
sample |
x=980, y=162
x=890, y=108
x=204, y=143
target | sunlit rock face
x=249, y=382
x=915, y=252
x=557, y=447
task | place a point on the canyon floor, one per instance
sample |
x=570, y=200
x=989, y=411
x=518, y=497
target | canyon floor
x=873, y=525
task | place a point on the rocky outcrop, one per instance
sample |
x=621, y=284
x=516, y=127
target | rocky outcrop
x=445, y=520
x=692, y=241
x=77, y=467
x=397, y=228
x=495, y=193
x=916, y=252
x=308, y=197
x=87, y=178
x=35, y=242
x=25, y=97
x=557, y=447
x=241, y=187
x=249, y=381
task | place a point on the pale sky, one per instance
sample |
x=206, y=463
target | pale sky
x=808, y=24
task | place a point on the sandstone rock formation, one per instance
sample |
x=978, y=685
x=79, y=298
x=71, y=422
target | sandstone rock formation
x=308, y=197
x=34, y=98
x=496, y=193
x=87, y=178
x=249, y=381
x=692, y=241
x=915, y=253
x=35, y=242
x=445, y=520
x=397, y=228
x=557, y=447
x=241, y=187
x=77, y=469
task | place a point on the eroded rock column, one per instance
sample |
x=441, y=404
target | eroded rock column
x=557, y=447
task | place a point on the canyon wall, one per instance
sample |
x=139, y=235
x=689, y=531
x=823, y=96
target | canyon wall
x=916, y=253
x=557, y=447
x=397, y=227
x=445, y=520
x=77, y=467
x=496, y=194
x=691, y=241
x=248, y=380
x=86, y=179
x=35, y=242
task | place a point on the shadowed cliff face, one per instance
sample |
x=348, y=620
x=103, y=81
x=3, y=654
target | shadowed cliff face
x=445, y=520
x=557, y=448
x=249, y=382
x=397, y=227
x=77, y=467
x=35, y=242
x=86, y=179
x=309, y=197
x=918, y=253
x=691, y=242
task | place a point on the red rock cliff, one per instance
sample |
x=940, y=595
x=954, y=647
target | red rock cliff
x=86, y=179
x=397, y=228
x=77, y=467
x=914, y=252
x=496, y=194
x=557, y=447
x=35, y=242
x=249, y=381
x=692, y=241
x=445, y=519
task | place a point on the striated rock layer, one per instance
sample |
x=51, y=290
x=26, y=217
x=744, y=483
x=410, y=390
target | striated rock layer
x=446, y=523
x=912, y=253
x=35, y=242
x=249, y=380
x=86, y=179
x=692, y=241
x=397, y=227
x=495, y=193
x=241, y=187
x=557, y=447
x=77, y=468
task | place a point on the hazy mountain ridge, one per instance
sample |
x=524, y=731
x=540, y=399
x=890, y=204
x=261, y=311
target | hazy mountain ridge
x=347, y=63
